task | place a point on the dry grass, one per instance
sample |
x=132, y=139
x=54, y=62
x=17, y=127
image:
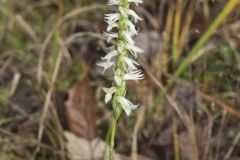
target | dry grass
x=47, y=46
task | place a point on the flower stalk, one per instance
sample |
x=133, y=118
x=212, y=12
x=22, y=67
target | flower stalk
x=121, y=59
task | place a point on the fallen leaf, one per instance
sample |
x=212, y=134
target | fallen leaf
x=80, y=110
x=84, y=149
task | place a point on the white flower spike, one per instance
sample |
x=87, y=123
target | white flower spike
x=121, y=55
x=120, y=59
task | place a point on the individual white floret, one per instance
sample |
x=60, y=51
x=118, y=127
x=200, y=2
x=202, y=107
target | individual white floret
x=134, y=15
x=113, y=25
x=136, y=1
x=131, y=64
x=128, y=37
x=113, y=2
x=105, y=64
x=110, y=55
x=109, y=92
x=127, y=105
x=133, y=75
x=111, y=18
x=110, y=36
x=134, y=49
x=131, y=27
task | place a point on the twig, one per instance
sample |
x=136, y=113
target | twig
x=25, y=139
x=219, y=136
x=15, y=82
x=49, y=95
x=176, y=28
x=185, y=28
x=208, y=139
x=27, y=27
x=140, y=119
x=175, y=139
x=235, y=142
x=5, y=65
x=220, y=103
x=73, y=37
x=162, y=58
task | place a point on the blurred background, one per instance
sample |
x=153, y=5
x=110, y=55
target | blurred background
x=51, y=100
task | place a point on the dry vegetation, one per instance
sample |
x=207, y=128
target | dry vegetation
x=51, y=102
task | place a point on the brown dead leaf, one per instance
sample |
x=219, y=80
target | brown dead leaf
x=83, y=149
x=80, y=110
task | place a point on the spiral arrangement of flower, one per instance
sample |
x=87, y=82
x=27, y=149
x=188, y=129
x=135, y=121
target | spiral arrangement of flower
x=121, y=58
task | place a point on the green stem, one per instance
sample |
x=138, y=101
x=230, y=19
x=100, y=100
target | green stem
x=121, y=89
x=117, y=110
x=113, y=131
